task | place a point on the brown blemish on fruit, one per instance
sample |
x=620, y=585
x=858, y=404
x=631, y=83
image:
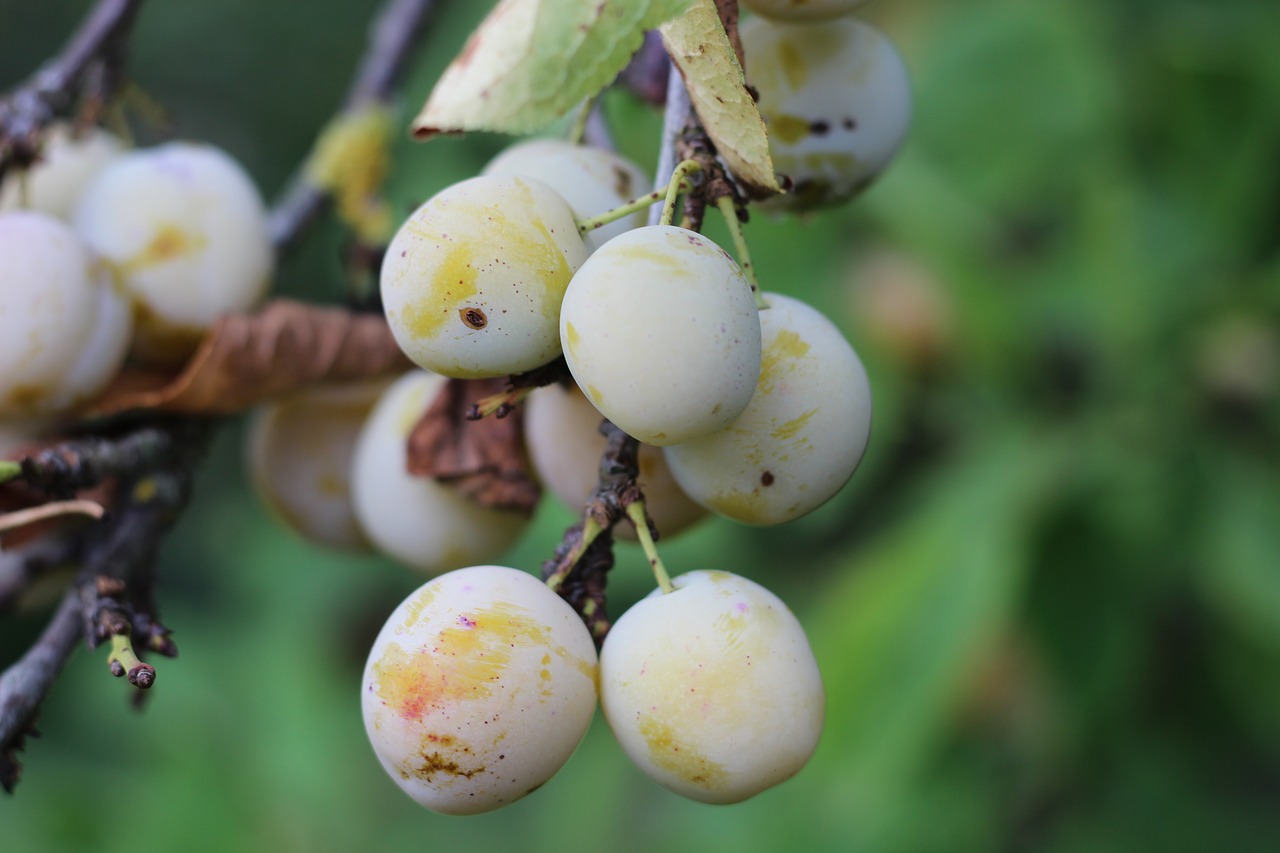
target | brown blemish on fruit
x=766, y=479
x=669, y=754
x=473, y=317
x=443, y=740
x=435, y=763
x=622, y=184
x=454, y=281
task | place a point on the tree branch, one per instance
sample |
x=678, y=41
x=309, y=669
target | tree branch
x=85, y=463
x=113, y=593
x=392, y=38
x=676, y=115
x=25, y=684
x=94, y=55
x=578, y=567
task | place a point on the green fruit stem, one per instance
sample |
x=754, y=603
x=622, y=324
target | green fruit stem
x=666, y=194
x=730, y=213
x=586, y=226
x=683, y=170
x=578, y=130
x=635, y=512
x=590, y=530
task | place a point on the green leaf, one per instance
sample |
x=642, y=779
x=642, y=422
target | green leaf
x=531, y=61
x=911, y=618
x=1239, y=552
x=701, y=50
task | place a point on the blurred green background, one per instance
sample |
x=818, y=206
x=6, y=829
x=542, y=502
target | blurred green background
x=1047, y=608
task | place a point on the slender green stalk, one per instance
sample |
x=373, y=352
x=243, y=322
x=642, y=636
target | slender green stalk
x=666, y=194
x=683, y=170
x=725, y=203
x=586, y=226
x=578, y=130
x=590, y=530
x=635, y=512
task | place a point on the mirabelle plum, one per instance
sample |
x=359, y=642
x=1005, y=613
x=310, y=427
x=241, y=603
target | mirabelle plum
x=478, y=689
x=712, y=689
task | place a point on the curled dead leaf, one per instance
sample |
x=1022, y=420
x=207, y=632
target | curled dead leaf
x=250, y=358
x=483, y=459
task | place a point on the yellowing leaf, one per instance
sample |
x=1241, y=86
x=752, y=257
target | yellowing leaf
x=531, y=61
x=717, y=88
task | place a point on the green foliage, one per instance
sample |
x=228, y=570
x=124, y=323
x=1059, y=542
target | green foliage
x=532, y=61
x=1046, y=607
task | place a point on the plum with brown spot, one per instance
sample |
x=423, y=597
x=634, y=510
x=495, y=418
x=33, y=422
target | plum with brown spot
x=480, y=668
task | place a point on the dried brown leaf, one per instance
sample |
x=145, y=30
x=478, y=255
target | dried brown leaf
x=251, y=358
x=483, y=459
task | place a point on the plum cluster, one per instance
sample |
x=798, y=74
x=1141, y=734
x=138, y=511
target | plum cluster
x=107, y=253
x=483, y=681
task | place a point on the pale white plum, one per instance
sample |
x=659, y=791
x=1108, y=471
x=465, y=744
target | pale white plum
x=299, y=454
x=67, y=164
x=801, y=437
x=837, y=102
x=185, y=230
x=562, y=432
x=472, y=281
x=712, y=689
x=64, y=327
x=418, y=521
x=802, y=10
x=592, y=180
x=661, y=332
x=478, y=689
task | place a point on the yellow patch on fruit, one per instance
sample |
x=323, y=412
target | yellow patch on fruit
x=787, y=129
x=786, y=347
x=792, y=428
x=168, y=244
x=668, y=753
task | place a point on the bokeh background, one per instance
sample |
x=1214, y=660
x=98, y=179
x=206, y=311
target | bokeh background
x=1047, y=608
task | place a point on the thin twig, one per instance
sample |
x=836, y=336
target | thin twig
x=85, y=463
x=577, y=570
x=392, y=37
x=24, y=685
x=112, y=592
x=675, y=116
x=93, y=55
